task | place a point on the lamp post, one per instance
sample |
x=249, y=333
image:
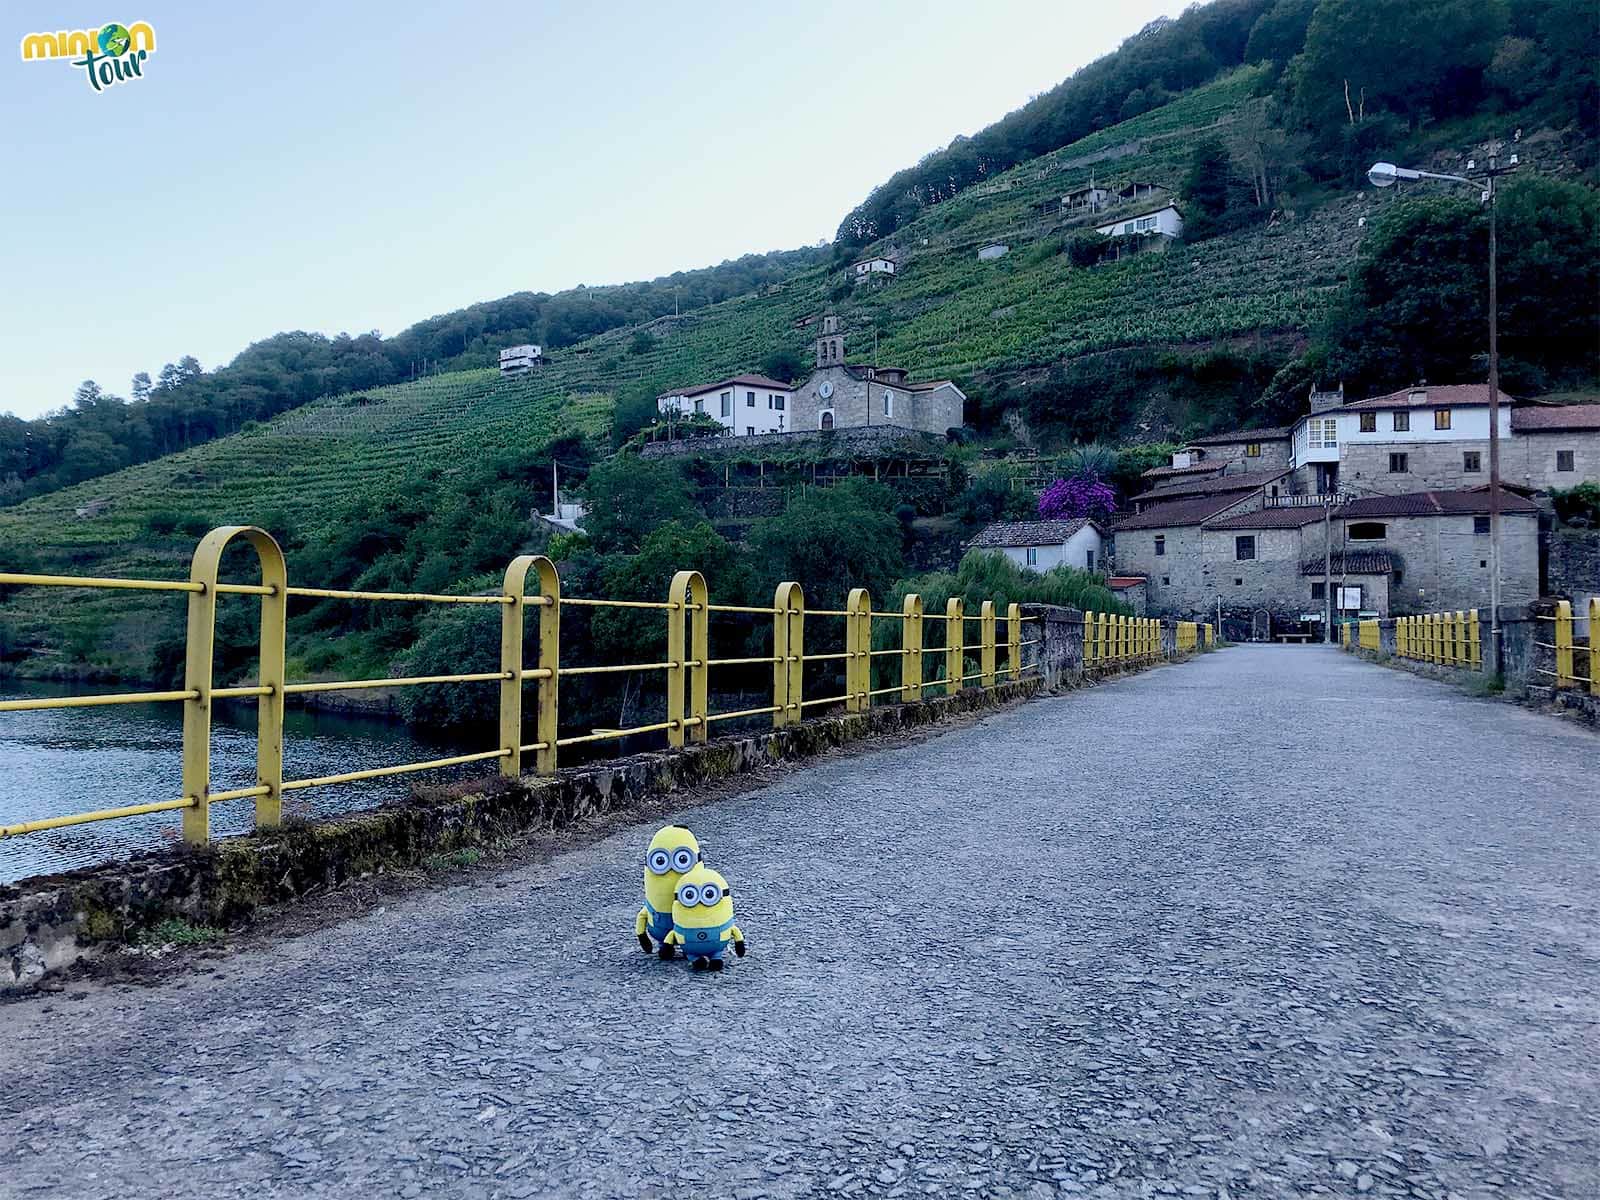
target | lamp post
x=1386, y=174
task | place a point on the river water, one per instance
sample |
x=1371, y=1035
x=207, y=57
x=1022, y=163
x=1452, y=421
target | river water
x=62, y=761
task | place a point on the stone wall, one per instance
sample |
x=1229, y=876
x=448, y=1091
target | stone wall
x=1444, y=564
x=1573, y=571
x=885, y=441
x=1274, y=455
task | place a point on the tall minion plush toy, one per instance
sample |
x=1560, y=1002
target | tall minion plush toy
x=673, y=851
x=702, y=919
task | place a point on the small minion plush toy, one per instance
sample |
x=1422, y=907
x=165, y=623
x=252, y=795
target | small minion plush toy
x=702, y=919
x=673, y=851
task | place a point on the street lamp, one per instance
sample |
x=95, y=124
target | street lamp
x=1386, y=174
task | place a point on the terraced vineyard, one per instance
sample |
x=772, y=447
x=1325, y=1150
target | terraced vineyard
x=945, y=314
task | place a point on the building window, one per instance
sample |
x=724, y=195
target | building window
x=1088, y=560
x=1480, y=524
x=1441, y=418
x=1564, y=460
x=1399, y=576
x=1237, y=582
x=1161, y=544
x=750, y=430
x=777, y=403
x=1368, y=531
x=1252, y=450
x=700, y=407
x=1244, y=547
x=1033, y=556
x=1402, y=422
x=1324, y=433
x=1166, y=581
x=1399, y=464
x=1369, y=422
x=888, y=404
x=1471, y=462
x=1319, y=591
x=826, y=420
x=727, y=404
x=749, y=399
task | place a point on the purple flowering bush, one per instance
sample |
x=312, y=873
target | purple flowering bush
x=1080, y=496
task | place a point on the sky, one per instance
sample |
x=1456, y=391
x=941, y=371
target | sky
x=358, y=166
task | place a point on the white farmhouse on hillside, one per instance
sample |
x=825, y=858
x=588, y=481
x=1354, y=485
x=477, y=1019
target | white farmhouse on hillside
x=874, y=266
x=1040, y=545
x=745, y=404
x=519, y=360
x=1165, y=221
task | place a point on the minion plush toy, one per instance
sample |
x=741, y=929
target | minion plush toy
x=673, y=851
x=702, y=919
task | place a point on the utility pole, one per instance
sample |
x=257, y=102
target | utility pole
x=1386, y=174
x=1327, y=569
x=555, y=491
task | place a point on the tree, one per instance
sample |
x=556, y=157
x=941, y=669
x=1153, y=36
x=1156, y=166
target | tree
x=1079, y=496
x=783, y=364
x=628, y=497
x=1417, y=305
x=1280, y=33
x=829, y=536
x=141, y=387
x=1207, y=190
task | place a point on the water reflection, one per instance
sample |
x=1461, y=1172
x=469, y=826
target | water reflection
x=63, y=761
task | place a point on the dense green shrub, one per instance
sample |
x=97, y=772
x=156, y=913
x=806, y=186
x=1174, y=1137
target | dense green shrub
x=1578, y=506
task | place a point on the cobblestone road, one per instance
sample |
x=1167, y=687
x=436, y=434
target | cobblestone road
x=1274, y=923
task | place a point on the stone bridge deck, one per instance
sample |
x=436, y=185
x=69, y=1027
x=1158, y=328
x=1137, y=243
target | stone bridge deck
x=1278, y=923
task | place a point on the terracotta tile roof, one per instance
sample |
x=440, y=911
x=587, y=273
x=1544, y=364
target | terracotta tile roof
x=1353, y=562
x=1434, y=504
x=755, y=381
x=1191, y=511
x=1028, y=533
x=1532, y=418
x=1240, y=481
x=1169, y=472
x=1268, y=518
x=1275, y=434
x=1451, y=395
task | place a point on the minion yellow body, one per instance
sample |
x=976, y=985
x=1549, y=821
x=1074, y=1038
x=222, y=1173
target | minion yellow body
x=702, y=919
x=673, y=851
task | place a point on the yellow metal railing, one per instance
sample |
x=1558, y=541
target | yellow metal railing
x=1568, y=648
x=1448, y=638
x=1369, y=634
x=530, y=582
x=1112, y=641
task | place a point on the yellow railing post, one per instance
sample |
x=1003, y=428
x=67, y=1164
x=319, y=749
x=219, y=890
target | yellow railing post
x=1462, y=655
x=202, y=638
x=1564, y=675
x=1474, y=644
x=858, y=650
x=1594, y=645
x=788, y=647
x=911, y=649
x=1401, y=648
x=1452, y=640
x=1089, y=623
x=688, y=650
x=986, y=656
x=1014, y=640
x=955, y=639
x=513, y=664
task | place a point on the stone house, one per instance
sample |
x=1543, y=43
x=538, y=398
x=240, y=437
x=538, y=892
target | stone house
x=1263, y=558
x=1087, y=198
x=1240, y=449
x=1041, y=545
x=1438, y=438
x=841, y=395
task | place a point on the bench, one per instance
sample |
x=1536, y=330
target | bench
x=1293, y=637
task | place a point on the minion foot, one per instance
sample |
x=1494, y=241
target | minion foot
x=715, y=964
x=666, y=953
x=701, y=964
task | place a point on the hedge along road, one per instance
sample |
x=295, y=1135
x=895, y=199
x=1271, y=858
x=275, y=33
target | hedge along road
x=1272, y=923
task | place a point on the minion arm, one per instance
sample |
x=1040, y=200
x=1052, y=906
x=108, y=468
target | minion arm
x=738, y=940
x=674, y=938
x=640, y=925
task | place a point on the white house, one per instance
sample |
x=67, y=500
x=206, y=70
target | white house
x=1040, y=545
x=745, y=404
x=993, y=251
x=519, y=360
x=874, y=266
x=1088, y=198
x=1165, y=221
